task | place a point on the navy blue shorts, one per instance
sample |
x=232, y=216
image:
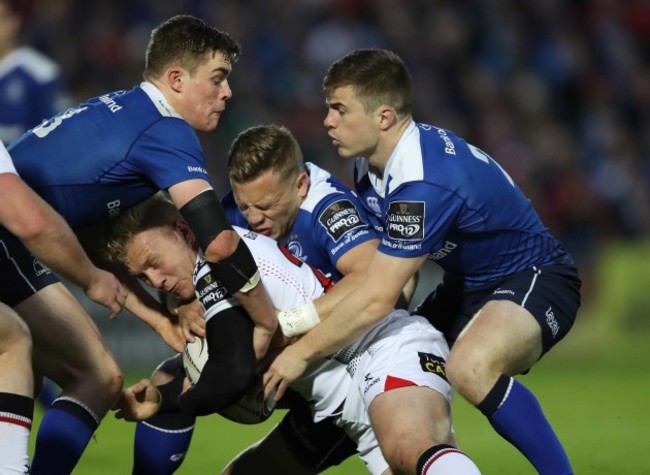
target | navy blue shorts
x=21, y=274
x=550, y=293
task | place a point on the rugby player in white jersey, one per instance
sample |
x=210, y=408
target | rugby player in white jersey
x=403, y=356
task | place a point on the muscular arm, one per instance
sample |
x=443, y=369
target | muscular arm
x=255, y=300
x=353, y=266
x=49, y=238
x=352, y=317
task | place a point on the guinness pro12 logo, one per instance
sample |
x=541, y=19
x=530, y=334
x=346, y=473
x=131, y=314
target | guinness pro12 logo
x=405, y=220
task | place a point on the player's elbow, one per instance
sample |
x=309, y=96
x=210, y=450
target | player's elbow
x=222, y=246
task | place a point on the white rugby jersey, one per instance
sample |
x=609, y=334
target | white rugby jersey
x=289, y=282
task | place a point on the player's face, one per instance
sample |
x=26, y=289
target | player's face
x=271, y=202
x=205, y=93
x=354, y=132
x=162, y=259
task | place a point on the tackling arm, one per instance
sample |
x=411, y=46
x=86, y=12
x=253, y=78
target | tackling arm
x=347, y=321
x=230, y=259
x=49, y=238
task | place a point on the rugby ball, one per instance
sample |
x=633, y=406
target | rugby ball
x=195, y=356
x=250, y=409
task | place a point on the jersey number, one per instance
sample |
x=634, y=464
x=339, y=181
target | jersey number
x=484, y=157
x=48, y=126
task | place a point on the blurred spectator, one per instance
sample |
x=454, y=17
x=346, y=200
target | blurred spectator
x=30, y=82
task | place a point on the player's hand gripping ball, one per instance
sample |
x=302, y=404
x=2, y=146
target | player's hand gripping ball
x=250, y=409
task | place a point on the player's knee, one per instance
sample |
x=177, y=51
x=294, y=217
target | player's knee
x=108, y=377
x=464, y=371
x=15, y=335
x=400, y=457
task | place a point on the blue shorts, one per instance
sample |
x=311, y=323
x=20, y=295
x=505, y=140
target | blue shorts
x=21, y=274
x=550, y=293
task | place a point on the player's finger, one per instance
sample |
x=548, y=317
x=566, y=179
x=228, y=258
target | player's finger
x=269, y=385
x=187, y=333
x=198, y=329
x=281, y=389
x=116, y=308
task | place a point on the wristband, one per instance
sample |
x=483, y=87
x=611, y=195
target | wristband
x=251, y=283
x=299, y=320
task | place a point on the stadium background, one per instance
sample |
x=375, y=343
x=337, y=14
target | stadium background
x=558, y=92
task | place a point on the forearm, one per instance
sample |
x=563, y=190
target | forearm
x=45, y=233
x=230, y=368
x=352, y=318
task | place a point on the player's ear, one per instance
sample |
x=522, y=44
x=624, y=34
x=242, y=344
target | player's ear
x=386, y=117
x=302, y=183
x=186, y=232
x=174, y=77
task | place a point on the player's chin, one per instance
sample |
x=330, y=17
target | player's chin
x=345, y=152
x=209, y=124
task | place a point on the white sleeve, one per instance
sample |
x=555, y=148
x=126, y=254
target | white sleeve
x=6, y=165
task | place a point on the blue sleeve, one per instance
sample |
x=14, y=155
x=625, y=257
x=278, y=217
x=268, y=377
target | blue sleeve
x=418, y=217
x=340, y=224
x=168, y=153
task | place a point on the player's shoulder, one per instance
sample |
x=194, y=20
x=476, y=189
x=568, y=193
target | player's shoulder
x=324, y=190
x=35, y=65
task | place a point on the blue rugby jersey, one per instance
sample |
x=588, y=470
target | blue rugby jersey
x=330, y=222
x=446, y=198
x=109, y=154
x=29, y=91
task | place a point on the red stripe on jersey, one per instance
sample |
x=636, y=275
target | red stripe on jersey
x=393, y=383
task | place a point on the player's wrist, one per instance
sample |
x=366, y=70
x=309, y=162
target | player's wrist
x=298, y=320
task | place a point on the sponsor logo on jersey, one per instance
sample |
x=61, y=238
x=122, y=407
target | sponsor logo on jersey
x=40, y=268
x=113, y=208
x=431, y=363
x=193, y=169
x=552, y=322
x=110, y=103
x=373, y=204
x=177, y=457
x=405, y=220
x=209, y=290
x=450, y=148
x=369, y=381
x=444, y=251
x=339, y=218
x=501, y=291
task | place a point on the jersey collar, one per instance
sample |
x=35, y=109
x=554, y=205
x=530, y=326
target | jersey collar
x=159, y=100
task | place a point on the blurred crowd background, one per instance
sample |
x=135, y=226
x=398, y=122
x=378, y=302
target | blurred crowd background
x=558, y=92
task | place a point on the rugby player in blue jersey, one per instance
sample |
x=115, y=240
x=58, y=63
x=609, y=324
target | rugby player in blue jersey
x=321, y=221
x=106, y=155
x=510, y=290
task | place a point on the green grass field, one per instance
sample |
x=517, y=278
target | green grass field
x=593, y=387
